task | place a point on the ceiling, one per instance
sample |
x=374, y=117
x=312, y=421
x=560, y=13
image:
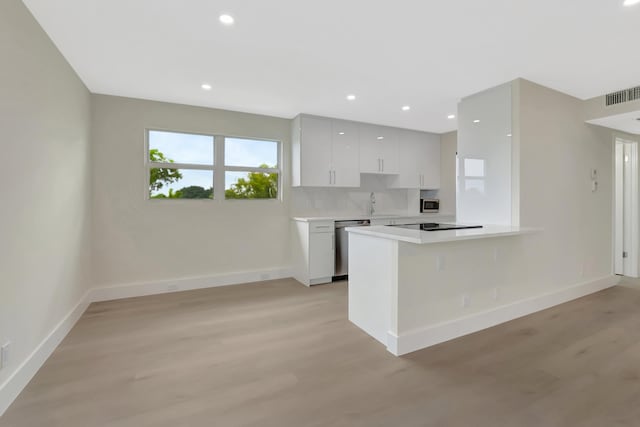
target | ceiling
x=627, y=122
x=284, y=57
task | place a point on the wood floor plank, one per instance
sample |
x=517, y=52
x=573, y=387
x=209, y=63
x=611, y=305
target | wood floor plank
x=279, y=354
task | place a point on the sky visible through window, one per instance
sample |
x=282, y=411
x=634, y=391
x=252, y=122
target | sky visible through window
x=183, y=148
x=198, y=149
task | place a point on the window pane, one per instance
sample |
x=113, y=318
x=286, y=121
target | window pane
x=166, y=183
x=180, y=148
x=474, y=167
x=474, y=185
x=251, y=153
x=251, y=185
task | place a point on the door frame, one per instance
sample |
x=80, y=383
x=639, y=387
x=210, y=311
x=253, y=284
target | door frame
x=625, y=207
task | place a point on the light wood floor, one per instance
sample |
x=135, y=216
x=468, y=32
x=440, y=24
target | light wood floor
x=280, y=354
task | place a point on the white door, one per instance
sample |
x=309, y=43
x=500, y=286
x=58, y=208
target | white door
x=345, y=155
x=626, y=209
x=315, y=149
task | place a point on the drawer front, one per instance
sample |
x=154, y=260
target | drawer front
x=321, y=227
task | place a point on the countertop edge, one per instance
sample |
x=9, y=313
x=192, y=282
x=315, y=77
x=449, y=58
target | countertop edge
x=443, y=236
x=369, y=217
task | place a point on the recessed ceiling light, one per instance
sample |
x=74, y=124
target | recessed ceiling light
x=476, y=121
x=406, y=108
x=509, y=135
x=380, y=137
x=226, y=19
x=351, y=97
x=631, y=2
x=206, y=86
x=451, y=116
x=340, y=133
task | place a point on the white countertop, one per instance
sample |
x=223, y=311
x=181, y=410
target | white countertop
x=372, y=217
x=426, y=237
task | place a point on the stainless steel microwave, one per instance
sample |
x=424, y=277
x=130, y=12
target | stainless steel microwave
x=429, y=205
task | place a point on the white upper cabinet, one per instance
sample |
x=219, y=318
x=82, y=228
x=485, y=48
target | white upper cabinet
x=333, y=153
x=378, y=149
x=429, y=161
x=345, y=159
x=324, y=153
x=419, y=158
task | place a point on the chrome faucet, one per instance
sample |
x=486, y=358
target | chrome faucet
x=372, y=204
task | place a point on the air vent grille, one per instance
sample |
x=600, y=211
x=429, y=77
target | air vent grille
x=623, y=96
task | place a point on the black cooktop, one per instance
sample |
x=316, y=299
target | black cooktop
x=433, y=226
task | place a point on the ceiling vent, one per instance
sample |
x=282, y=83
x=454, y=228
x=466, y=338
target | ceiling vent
x=622, y=96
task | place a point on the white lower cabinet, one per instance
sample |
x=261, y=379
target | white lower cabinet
x=313, y=251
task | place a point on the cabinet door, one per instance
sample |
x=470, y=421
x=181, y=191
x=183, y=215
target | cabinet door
x=321, y=255
x=315, y=150
x=371, y=140
x=429, y=164
x=389, y=151
x=345, y=156
x=408, y=158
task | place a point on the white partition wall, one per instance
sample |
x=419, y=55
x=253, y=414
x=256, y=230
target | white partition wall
x=484, y=157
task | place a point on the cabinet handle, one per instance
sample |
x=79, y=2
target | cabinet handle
x=330, y=178
x=382, y=162
x=334, y=177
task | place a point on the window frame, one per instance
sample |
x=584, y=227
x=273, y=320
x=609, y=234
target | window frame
x=218, y=167
x=278, y=169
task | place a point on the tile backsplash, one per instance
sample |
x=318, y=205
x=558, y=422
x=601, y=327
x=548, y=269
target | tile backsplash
x=355, y=201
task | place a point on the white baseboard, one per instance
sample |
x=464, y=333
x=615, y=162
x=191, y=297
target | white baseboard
x=130, y=290
x=425, y=337
x=17, y=381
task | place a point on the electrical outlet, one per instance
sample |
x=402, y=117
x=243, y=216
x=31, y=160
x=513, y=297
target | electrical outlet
x=495, y=254
x=496, y=293
x=172, y=288
x=4, y=355
x=440, y=263
x=264, y=277
x=465, y=300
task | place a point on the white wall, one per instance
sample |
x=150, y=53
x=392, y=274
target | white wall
x=595, y=108
x=45, y=209
x=557, y=152
x=447, y=193
x=142, y=241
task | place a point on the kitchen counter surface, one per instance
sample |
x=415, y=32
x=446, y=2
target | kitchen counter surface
x=427, y=237
x=418, y=217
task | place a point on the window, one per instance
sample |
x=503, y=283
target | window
x=251, y=168
x=182, y=166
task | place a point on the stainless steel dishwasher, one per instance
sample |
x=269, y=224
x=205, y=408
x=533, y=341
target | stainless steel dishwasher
x=342, y=245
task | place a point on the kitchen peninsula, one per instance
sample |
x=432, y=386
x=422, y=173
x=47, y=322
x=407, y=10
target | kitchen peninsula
x=411, y=289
